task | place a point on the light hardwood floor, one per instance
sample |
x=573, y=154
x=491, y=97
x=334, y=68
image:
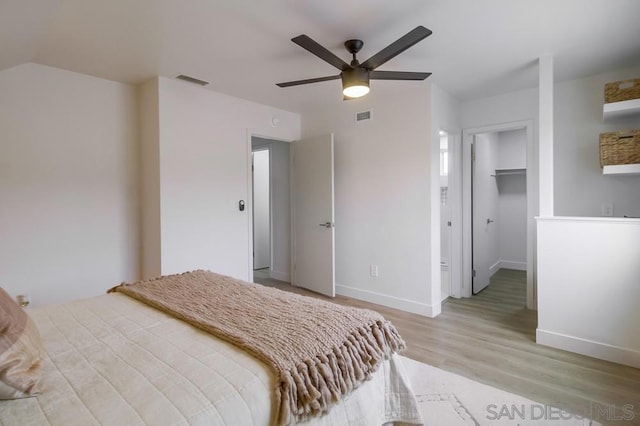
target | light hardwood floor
x=490, y=338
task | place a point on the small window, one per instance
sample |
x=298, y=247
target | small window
x=444, y=163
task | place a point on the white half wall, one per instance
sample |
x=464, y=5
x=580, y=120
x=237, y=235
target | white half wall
x=383, y=187
x=69, y=215
x=588, y=290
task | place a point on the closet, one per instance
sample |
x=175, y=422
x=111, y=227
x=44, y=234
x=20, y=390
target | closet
x=499, y=204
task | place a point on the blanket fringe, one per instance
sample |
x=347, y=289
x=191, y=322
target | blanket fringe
x=314, y=386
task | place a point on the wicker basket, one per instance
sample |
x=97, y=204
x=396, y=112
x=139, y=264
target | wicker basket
x=622, y=91
x=621, y=147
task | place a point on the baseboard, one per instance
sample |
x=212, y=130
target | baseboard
x=510, y=264
x=389, y=301
x=281, y=276
x=589, y=348
x=494, y=268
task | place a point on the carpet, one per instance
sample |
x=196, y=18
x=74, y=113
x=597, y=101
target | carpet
x=447, y=399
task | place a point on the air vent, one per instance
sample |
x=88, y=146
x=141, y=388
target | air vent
x=362, y=116
x=192, y=80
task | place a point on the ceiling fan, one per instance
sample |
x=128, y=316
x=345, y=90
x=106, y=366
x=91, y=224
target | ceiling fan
x=355, y=76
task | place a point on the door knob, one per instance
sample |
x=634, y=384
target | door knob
x=327, y=225
x=489, y=221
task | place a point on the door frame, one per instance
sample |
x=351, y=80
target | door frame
x=468, y=135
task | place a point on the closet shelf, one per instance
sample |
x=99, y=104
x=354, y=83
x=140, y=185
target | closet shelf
x=621, y=109
x=512, y=171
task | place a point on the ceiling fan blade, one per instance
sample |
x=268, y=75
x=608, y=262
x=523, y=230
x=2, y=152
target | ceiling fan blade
x=308, y=81
x=403, y=43
x=398, y=75
x=320, y=51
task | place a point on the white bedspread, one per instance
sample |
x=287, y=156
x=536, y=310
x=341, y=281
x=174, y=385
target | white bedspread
x=112, y=360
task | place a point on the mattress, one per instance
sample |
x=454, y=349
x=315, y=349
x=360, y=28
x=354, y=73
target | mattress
x=112, y=360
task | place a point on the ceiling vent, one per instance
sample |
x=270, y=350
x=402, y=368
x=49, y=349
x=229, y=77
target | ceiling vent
x=362, y=116
x=192, y=80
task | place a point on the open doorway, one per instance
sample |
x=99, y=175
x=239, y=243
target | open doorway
x=499, y=206
x=485, y=221
x=271, y=210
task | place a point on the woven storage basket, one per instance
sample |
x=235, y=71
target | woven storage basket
x=621, y=147
x=622, y=91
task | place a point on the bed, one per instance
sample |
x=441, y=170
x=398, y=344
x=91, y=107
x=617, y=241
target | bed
x=113, y=360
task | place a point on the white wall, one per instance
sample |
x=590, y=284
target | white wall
x=150, y=179
x=512, y=200
x=512, y=149
x=69, y=212
x=505, y=108
x=588, y=288
x=383, y=187
x=280, y=207
x=204, y=150
x=580, y=187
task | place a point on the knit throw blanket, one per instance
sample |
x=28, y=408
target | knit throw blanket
x=319, y=351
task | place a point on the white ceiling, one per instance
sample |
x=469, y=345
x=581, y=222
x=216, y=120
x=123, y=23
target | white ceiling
x=478, y=47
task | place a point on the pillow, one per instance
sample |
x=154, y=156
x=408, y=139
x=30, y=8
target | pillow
x=21, y=351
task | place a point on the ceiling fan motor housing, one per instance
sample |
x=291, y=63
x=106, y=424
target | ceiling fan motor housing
x=355, y=77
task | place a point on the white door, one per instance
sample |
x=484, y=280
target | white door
x=261, y=210
x=313, y=215
x=485, y=250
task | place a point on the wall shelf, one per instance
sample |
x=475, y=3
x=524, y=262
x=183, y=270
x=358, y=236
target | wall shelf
x=620, y=109
x=510, y=171
x=622, y=169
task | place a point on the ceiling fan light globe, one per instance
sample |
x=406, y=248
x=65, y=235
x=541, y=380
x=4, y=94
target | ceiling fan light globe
x=355, y=91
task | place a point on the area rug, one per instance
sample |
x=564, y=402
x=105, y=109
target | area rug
x=447, y=399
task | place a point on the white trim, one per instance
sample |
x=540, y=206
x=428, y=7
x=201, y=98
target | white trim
x=608, y=220
x=281, y=276
x=494, y=268
x=588, y=347
x=512, y=264
x=390, y=301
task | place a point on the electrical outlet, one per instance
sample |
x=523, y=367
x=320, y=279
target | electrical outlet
x=373, y=270
x=607, y=209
